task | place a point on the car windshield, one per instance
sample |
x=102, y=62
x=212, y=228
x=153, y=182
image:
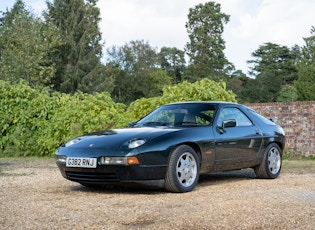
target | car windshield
x=197, y=114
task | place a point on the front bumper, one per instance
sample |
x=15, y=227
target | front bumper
x=105, y=174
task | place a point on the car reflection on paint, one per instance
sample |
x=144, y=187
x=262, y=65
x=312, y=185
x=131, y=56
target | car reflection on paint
x=174, y=144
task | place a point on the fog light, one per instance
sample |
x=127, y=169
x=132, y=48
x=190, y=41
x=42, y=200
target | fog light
x=114, y=160
x=61, y=158
x=119, y=160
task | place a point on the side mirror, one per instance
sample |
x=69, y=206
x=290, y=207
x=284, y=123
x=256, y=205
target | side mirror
x=229, y=123
x=226, y=124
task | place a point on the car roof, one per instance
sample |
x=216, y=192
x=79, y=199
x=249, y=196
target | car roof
x=204, y=102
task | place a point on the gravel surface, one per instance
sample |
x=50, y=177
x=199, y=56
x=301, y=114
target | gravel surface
x=34, y=195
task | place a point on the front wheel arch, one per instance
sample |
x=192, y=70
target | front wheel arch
x=183, y=169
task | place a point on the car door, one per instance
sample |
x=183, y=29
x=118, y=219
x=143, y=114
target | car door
x=236, y=145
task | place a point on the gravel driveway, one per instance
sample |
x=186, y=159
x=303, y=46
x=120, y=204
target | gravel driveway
x=33, y=195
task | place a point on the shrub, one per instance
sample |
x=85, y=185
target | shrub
x=204, y=90
x=35, y=122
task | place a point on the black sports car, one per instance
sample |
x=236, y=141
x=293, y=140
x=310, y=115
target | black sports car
x=175, y=143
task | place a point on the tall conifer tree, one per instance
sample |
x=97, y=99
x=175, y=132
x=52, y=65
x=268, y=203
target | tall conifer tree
x=78, y=59
x=305, y=84
x=206, y=47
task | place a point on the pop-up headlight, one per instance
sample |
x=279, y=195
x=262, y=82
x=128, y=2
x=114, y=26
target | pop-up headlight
x=74, y=141
x=135, y=143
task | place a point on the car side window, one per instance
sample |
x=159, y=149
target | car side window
x=234, y=113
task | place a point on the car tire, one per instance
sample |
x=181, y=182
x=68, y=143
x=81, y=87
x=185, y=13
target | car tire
x=270, y=166
x=183, y=170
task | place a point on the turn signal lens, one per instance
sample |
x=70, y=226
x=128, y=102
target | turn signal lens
x=132, y=161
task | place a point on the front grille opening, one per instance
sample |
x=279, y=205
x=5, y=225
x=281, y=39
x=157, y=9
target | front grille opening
x=92, y=177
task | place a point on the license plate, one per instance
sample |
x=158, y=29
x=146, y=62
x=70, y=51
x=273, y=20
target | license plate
x=81, y=162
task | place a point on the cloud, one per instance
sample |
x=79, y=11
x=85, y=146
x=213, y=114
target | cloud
x=284, y=22
x=161, y=22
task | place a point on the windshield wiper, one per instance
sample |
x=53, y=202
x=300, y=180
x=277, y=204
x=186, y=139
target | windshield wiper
x=156, y=123
x=186, y=123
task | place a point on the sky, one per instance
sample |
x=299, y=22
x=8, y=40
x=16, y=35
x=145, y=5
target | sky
x=162, y=23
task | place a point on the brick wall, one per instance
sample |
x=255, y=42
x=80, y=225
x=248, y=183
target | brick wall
x=298, y=121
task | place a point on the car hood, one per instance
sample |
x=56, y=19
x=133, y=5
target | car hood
x=116, y=138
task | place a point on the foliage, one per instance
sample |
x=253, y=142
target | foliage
x=305, y=84
x=279, y=59
x=205, y=27
x=264, y=88
x=236, y=83
x=292, y=155
x=24, y=113
x=84, y=113
x=27, y=45
x=288, y=93
x=173, y=62
x=138, y=72
x=78, y=59
x=36, y=122
x=274, y=68
x=204, y=90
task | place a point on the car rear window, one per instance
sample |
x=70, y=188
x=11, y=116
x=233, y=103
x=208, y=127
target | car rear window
x=262, y=118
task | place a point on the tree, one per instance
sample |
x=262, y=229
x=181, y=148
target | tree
x=27, y=45
x=264, y=88
x=138, y=72
x=288, y=93
x=273, y=67
x=173, y=62
x=205, y=27
x=305, y=84
x=78, y=58
x=276, y=58
x=236, y=83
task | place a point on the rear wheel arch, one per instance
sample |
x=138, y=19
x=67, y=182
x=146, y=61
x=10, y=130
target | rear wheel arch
x=275, y=141
x=271, y=163
x=280, y=146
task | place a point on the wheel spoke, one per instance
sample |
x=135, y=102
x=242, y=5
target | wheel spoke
x=181, y=165
x=186, y=169
x=274, y=160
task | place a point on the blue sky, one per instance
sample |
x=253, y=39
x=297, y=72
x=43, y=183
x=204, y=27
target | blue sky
x=162, y=23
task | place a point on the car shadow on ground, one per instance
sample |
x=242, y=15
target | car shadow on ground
x=130, y=188
x=226, y=177
x=135, y=188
